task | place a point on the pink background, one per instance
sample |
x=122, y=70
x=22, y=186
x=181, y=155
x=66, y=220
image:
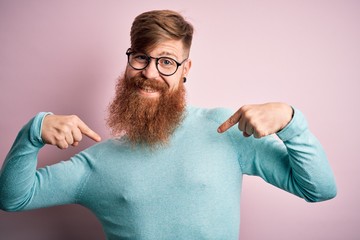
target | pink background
x=64, y=57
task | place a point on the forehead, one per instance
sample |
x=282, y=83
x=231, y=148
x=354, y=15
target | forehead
x=169, y=48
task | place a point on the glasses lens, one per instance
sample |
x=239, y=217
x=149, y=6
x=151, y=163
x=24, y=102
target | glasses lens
x=167, y=66
x=138, y=60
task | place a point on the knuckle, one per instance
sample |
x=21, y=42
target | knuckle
x=63, y=146
x=232, y=120
x=59, y=138
x=257, y=135
x=263, y=133
x=78, y=138
x=71, y=120
x=70, y=140
x=244, y=108
x=247, y=114
x=73, y=117
x=65, y=128
x=253, y=124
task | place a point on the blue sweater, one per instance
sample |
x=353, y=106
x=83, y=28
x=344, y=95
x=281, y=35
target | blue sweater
x=189, y=189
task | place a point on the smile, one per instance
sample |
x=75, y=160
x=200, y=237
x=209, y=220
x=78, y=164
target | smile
x=148, y=91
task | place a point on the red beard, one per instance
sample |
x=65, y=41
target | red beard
x=149, y=121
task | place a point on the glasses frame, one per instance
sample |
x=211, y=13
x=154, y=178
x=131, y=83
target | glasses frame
x=148, y=59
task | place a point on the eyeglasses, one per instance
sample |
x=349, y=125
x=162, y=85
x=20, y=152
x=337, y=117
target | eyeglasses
x=165, y=65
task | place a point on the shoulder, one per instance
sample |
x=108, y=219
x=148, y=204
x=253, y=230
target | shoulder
x=104, y=146
x=98, y=154
x=217, y=115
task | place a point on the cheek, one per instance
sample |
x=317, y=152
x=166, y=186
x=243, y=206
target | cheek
x=129, y=72
x=174, y=84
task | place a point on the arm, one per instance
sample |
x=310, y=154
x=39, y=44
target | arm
x=297, y=163
x=21, y=185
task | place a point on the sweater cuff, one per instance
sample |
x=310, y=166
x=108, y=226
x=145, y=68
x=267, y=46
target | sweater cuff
x=35, y=129
x=296, y=126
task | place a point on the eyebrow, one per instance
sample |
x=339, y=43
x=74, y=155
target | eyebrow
x=168, y=54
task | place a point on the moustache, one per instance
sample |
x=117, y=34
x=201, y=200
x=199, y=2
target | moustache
x=142, y=82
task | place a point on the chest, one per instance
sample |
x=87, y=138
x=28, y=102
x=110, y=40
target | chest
x=200, y=167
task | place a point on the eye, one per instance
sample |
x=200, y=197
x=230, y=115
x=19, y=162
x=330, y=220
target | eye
x=167, y=62
x=139, y=57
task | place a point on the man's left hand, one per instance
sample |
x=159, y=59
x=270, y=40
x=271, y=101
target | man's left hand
x=259, y=120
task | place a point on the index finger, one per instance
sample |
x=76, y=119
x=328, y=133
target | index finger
x=234, y=119
x=88, y=132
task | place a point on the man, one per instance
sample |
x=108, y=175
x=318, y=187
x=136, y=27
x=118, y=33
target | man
x=172, y=171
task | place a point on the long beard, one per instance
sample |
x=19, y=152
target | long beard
x=149, y=121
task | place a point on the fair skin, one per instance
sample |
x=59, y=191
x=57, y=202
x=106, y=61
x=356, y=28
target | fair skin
x=258, y=120
x=173, y=49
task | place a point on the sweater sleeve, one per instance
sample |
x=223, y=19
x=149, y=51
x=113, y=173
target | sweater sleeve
x=294, y=160
x=23, y=187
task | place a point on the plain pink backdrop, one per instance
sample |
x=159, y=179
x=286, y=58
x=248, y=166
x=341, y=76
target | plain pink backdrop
x=65, y=56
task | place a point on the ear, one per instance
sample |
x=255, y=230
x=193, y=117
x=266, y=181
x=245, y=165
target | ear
x=187, y=66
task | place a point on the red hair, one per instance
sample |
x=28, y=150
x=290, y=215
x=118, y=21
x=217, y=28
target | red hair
x=153, y=27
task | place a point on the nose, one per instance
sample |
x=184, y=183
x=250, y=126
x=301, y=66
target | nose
x=151, y=71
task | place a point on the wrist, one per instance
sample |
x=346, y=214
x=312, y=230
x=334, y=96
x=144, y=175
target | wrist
x=288, y=114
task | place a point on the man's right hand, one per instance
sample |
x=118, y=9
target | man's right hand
x=63, y=131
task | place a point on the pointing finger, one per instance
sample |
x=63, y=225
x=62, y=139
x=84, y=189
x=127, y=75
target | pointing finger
x=88, y=132
x=234, y=119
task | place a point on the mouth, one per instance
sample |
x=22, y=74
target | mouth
x=148, y=87
x=148, y=91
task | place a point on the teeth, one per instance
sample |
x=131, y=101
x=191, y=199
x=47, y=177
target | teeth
x=148, y=89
